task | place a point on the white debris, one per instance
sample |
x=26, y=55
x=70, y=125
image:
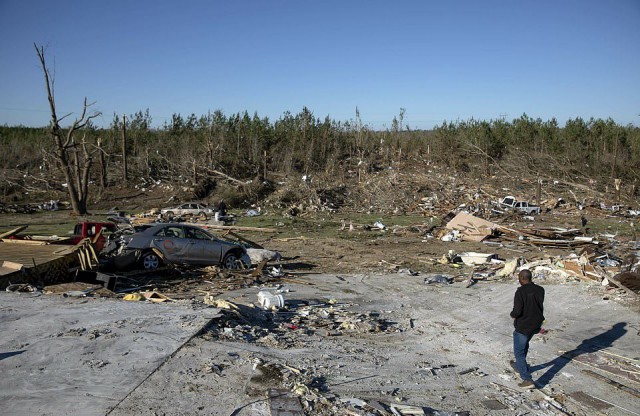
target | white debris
x=258, y=255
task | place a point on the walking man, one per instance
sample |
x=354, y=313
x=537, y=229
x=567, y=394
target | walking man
x=527, y=317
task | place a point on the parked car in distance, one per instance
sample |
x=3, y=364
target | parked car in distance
x=185, y=244
x=527, y=208
x=522, y=206
x=508, y=202
x=190, y=208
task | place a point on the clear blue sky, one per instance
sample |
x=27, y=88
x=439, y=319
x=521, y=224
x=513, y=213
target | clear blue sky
x=440, y=60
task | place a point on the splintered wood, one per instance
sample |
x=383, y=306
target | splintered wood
x=477, y=229
x=472, y=228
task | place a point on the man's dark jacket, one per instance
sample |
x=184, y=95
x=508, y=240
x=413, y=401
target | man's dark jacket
x=528, y=309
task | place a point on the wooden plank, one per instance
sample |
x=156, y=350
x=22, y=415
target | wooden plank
x=14, y=231
x=24, y=242
x=28, y=254
x=619, y=285
x=586, y=272
x=52, y=270
x=39, y=264
x=286, y=240
x=618, y=367
x=630, y=281
x=614, y=383
x=239, y=237
x=590, y=401
x=473, y=228
x=9, y=267
x=233, y=227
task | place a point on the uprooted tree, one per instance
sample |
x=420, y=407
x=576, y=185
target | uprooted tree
x=72, y=153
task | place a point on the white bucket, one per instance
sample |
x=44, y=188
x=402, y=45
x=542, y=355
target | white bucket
x=268, y=300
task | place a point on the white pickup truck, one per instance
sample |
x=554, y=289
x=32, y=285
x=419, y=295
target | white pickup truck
x=522, y=206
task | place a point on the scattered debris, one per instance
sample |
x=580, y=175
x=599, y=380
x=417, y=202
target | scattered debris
x=258, y=255
x=438, y=279
x=473, y=258
x=21, y=288
x=471, y=228
x=270, y=301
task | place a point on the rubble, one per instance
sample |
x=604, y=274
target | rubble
x=258, y=255
x=464, y=241
x=474, y=258
x=438, y=279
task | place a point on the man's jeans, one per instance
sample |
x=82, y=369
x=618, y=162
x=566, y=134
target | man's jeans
x=520, y=350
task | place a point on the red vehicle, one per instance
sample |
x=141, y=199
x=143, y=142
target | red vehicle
x=88, y=229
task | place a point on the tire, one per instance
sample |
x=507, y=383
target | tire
x=230, y=261
x=150, y=261
x=169, y=214
x=202, y=215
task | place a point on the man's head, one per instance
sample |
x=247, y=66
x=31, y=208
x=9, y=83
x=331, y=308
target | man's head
x=524, y=277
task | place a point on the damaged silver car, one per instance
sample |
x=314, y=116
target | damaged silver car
x=185, y=244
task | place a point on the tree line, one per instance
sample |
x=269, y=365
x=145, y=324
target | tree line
x=247, y=146
x=243, y=147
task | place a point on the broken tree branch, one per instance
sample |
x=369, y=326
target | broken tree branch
x=224, y=175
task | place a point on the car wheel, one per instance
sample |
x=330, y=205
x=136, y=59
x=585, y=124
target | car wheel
x=203, y=215
x=169, y=214
x=231, y=261
x=150, y=261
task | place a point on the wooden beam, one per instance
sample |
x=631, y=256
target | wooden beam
x=614, y=383
x=13, y=232
x=239, y=237
x=232, y=227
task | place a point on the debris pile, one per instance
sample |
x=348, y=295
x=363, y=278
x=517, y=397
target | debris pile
x=466, y=227
x=286, y=326
x=27, y=208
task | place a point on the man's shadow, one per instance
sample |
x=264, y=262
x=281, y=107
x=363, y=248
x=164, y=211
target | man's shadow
x=589, y=345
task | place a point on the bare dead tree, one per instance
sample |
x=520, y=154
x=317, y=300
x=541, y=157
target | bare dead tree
x=74, y=156
x=125, y=174
x=102, y=164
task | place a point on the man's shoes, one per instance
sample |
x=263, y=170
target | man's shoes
x=527, y=384
x=513, y=365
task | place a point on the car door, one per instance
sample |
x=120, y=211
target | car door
x=508, y=201
x=171, y=242
x=200, y=209
x=204, y=249
x=183, y=209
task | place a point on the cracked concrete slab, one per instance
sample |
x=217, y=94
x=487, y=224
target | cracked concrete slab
x=446, y=348
x=84, y=355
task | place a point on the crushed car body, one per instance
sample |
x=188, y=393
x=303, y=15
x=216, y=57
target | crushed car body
x=178, y=243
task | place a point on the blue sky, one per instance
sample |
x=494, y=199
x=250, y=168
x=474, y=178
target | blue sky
x=440, y=60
